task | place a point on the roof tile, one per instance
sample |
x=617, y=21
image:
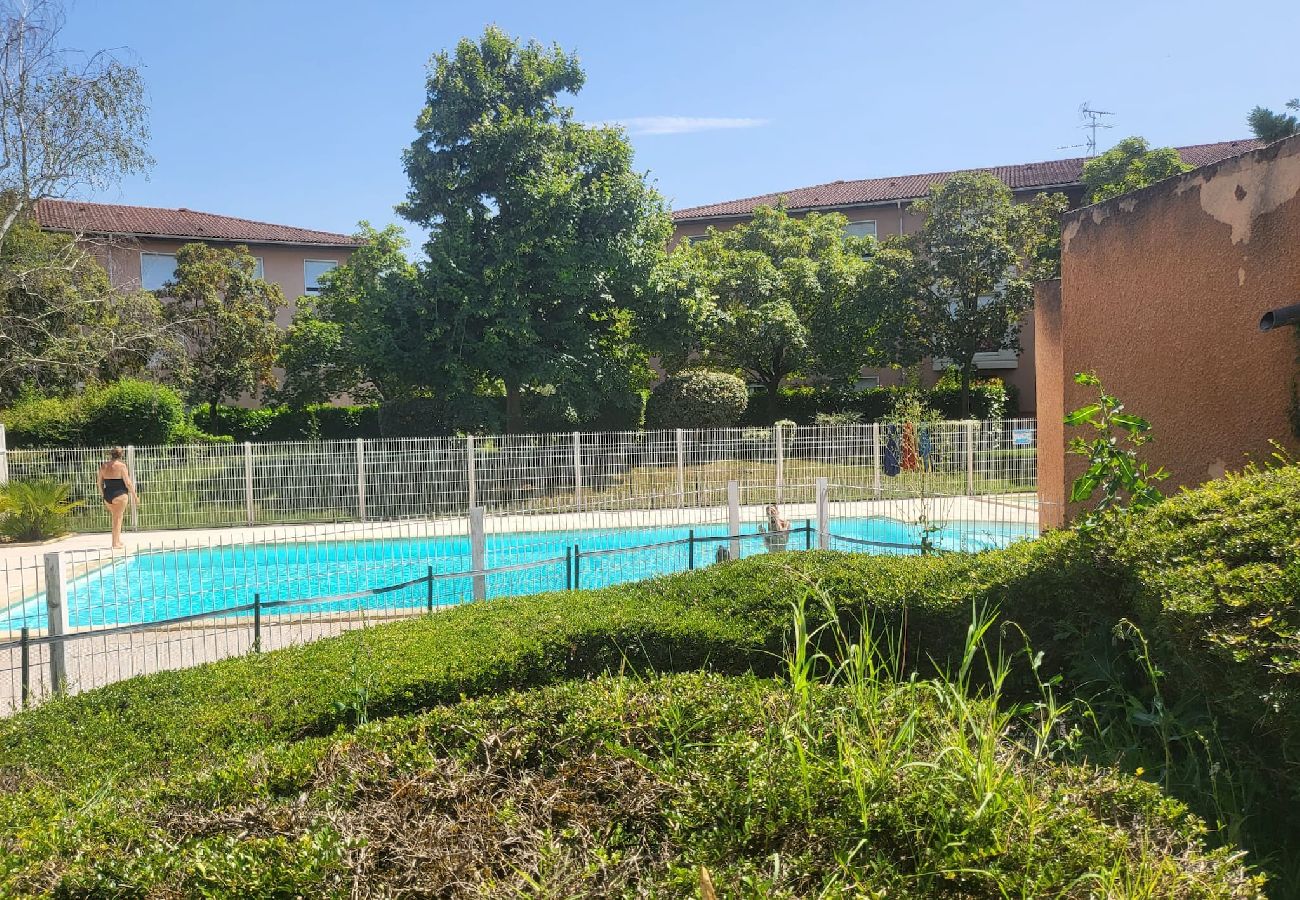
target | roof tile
x=108, y=218
x=1026, y=176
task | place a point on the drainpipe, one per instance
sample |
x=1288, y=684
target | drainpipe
x=1276, y=318
x=900, y=216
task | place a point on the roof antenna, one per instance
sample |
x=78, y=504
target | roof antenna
x=1093, y=122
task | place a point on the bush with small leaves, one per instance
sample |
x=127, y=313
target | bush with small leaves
x=697, y=398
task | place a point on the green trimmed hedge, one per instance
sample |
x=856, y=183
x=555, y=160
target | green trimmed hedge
x=125, y=412
x=989, y=400
x=1211, y=578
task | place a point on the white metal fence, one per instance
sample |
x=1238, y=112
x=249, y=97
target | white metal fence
x=422, y=524
x=214, y=485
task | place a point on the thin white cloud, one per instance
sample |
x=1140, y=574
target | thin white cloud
x=684, y=124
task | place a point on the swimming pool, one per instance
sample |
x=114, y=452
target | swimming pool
x=158, y=585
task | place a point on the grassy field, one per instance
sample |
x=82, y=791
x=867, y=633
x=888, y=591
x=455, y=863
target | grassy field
x=1106, y=716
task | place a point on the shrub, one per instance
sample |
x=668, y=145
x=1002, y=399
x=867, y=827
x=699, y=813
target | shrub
x=697, y=398
x=988, y=397
x=44, y=422
x=36, y=510
x=130, y=412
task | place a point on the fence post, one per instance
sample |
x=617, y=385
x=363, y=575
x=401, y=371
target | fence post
x=429, y=591
x=970, y=458
x=26, y=663
x=690, y=549
x=257, y=623
x=471, y=478
x=361, y=479
x=568, y=568
x=681, y=469
x=577, y=470
x=875, y=456
x=248, y=481
x=56, y=610
x=780, y=463
x=477, y=552
x=130, y=467
x=823, y=515
x=4, y=456
x=577, y=567
x=733, y=517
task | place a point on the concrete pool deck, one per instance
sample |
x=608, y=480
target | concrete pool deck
x=93, y=661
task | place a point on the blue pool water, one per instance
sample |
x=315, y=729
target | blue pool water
x=159, y=585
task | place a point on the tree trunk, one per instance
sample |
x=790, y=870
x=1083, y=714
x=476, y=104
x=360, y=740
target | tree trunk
x=773, y=389
x=214, y=417
x=514, y=409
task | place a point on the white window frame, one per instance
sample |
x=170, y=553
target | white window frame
x=155, y=253
x=259, y=270
x=866, y=382
x=875, y=228
x=307, y=288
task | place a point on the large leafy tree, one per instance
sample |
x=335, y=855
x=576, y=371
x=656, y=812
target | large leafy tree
x=68, y=120
x=781, y=295
x=974, y=263
x=1270, y=126
x=1129, y=165
x=542, y=237
x=61, y=322
x=372, y=332
x=225, y=319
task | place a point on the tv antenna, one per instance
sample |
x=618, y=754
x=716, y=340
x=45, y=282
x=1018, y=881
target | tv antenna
x=1092, y=119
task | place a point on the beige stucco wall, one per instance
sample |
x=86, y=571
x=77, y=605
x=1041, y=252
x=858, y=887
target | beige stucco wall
x=1161, y=294
x=282, y=264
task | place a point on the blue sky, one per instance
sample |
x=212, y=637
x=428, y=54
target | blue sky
x=297, y=112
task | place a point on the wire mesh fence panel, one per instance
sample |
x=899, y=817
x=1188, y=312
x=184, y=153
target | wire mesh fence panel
x=416, y=477
x=217, y=485
x=525, y=472
x=319, y=481
x=187, y=486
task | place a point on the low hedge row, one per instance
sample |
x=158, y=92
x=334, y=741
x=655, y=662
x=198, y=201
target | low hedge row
x=1211, y=578
x=989, y=400
x=126, y=412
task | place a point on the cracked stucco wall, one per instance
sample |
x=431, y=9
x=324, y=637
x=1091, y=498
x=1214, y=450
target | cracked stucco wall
x=1161, y=294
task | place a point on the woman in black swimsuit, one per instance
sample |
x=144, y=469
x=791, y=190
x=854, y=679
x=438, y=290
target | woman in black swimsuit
x=116, y=484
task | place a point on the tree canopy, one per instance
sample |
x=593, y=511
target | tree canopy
x=68, y=120
x=1270, y=126
x=781, y=295
x=974, y=263
x=62, y=324
x=224, y=317
x=542, y=237
x=1128, y=166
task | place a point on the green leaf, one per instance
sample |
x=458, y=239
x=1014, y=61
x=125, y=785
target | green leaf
x=1082, y=414
x=1131, y=422
x=1083, y=487
x=1086, y=378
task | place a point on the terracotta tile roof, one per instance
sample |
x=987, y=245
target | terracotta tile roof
x=1053, y=173
x=108, y=218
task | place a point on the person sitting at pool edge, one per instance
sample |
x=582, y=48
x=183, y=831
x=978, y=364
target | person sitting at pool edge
x=116, y=485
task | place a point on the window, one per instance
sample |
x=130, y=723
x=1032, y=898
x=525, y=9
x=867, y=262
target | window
x=866, y=382
x=156, y=269
x=865, y=228
x=312, y=270
x=696, y=238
